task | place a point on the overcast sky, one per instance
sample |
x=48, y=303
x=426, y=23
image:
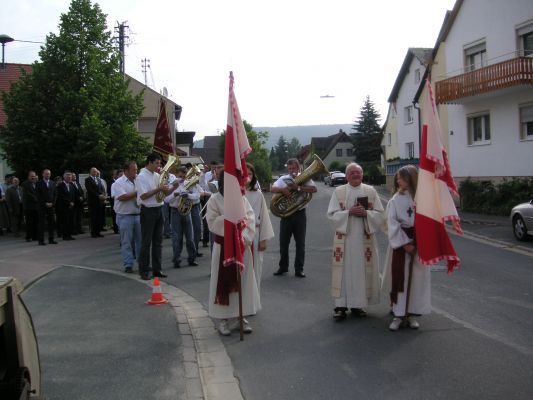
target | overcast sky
x=284, y=54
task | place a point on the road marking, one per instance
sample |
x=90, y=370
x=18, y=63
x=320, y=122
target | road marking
x=491, y=335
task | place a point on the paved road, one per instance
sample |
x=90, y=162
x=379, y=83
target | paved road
x=476, y=344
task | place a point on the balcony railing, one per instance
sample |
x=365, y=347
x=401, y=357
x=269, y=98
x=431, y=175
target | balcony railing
x=517, y=71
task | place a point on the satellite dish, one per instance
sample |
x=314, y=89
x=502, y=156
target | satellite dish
x=165, y=92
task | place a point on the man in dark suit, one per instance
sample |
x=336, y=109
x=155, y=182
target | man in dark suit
x=14, y=205
x=96, y=201
x=66, y=198
x=46, y=193
x=78, y=206
x=30, y=204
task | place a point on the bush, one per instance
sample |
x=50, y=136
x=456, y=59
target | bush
x=485, y=197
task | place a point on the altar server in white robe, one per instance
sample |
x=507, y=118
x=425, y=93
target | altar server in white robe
x=263, y=225
x=402, y=248
x=356, y=214
x=251, y=303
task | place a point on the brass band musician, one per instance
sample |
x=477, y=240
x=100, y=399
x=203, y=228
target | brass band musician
x=294, y=224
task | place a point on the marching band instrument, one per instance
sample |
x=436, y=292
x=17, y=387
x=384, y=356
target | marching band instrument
x=284, y=206
x=191, y=180
x=163, y=177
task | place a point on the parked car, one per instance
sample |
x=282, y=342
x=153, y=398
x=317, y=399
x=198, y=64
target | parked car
x=338, y=178
x=327, y=178
x=522, y=220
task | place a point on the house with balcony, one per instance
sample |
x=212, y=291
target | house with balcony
x=486, y=89
x=401, y=129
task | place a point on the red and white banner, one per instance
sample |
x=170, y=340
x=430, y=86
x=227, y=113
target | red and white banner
x=434, y=202
x=162, y=137
x=235, y=176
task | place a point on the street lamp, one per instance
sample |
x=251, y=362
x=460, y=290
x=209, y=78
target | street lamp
x=4, y=39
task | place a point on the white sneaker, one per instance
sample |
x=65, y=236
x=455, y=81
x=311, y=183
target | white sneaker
x=246, y=328
x=395, y=324
x=223, y=328
x=234, y=325
x=412, y=322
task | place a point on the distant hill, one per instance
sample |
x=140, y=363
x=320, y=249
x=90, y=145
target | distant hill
x=303, y=133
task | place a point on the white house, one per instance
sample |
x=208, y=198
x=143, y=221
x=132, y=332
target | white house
x=400, y=142
x=488, y=86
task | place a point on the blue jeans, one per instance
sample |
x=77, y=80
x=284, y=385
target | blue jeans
x=196, y=224
x=182, y=225
x=130, y=237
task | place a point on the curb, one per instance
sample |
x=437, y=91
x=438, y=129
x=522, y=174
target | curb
x=209, y=372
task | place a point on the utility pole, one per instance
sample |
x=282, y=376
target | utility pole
x=120, y=29
x=145, y=64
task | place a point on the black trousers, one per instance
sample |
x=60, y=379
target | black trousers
x=32, y=224
x=96, y=212
x=67, y=222
x=294, y=225
x=47, y=221
x=151, y=237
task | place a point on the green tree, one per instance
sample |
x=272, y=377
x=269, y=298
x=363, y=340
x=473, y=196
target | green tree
x=75, y=110
x=281, y=150
x=367, y=134
x=274, y=161
x=293, y=148
x=259, y=155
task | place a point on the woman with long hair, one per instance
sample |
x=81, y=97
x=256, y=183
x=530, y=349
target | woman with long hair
x=412, y=292
x=223, y=288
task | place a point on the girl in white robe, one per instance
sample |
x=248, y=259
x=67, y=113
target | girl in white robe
x=263, y=225
x=400, y=224
x=251, y=302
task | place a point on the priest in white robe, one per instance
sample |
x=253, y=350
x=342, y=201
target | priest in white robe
x=402, y=249
x=251, y=302
x=356, y=214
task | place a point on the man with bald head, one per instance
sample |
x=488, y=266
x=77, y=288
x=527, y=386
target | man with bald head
x=96, y=195
x=356, y=214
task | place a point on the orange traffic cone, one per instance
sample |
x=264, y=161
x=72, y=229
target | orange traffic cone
x=157, y=296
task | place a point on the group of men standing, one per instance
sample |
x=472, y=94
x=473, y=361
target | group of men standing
x=48, y=206
x=141, y=215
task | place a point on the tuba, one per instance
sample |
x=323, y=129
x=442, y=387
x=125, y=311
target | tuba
x=163, y=177
x=284, y=206
x=192, y=179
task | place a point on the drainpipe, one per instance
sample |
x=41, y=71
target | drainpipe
x=419, y=129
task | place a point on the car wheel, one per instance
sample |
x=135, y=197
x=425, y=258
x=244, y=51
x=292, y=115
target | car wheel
x=519, y=228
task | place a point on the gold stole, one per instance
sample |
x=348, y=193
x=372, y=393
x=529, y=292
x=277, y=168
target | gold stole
x=339, y=242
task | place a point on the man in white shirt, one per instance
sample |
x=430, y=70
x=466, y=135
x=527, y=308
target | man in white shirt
x=147, y=184
x=294, y=224
x=181, y=222
x=128, y=215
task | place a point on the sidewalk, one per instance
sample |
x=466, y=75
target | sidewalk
x=93, y=325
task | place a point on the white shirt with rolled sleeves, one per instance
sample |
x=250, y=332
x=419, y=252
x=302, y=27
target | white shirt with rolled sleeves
x=145, y=182
x=282, y=183
x=124, y=186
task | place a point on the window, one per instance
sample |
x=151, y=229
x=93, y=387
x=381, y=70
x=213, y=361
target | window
x=526, y=122
x=349, y=152
x=476, y=57
x=479, y=129
x=417, y=76
x=525, y=39
x=527, y=44
x=410, y=150
x=389, y=139
x=339, y=152
x=408, y=111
